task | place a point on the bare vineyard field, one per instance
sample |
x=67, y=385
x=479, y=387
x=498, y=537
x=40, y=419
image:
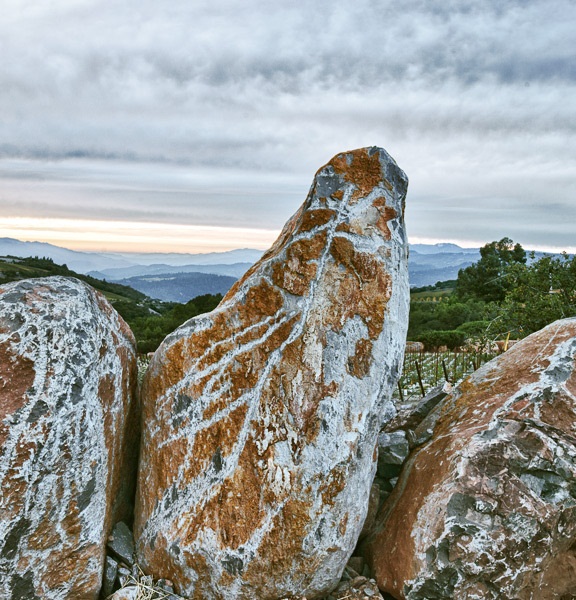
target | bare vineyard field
x=425, y=370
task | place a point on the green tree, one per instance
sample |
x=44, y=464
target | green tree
x=488, y=278
x=539, y=294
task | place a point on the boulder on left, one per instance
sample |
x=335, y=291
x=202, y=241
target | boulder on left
x=68, y=436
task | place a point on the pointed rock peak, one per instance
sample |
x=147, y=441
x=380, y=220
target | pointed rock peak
x=368, y=168
x=261, y=418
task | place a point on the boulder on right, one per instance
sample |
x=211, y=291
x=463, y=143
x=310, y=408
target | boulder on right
x=486, y=507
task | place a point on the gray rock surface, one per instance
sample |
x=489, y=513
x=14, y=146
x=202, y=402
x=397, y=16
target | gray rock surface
x=109, y=579
x=67, y=436
x=261, y=417
x=393, y=450
x=129, y=592
x=121, y=543
x=125, y=576
x=485, y=506
x=373, y=506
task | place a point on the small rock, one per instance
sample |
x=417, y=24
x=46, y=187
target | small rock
x=359, y=588
x=124, y=575
x=392, y=448
x=411, y=417
x=366, y=572
x=165, y=584
x=126, y=593
x=428, y=404
x=342, y=586
x=137, y=574
x=356, y=563
x=121, y=543
x=110, y=574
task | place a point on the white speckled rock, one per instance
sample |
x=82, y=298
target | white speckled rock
x=67, y=383
x=486, y=507
x=261, y=417
x=126, y=593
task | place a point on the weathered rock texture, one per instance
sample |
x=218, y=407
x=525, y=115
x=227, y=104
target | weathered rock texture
x=486, y=507
x=67, y=375
x=261, y=418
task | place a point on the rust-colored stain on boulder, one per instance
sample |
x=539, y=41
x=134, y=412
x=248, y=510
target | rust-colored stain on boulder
x=487, y=507
x=260, y=418
x=68, y=433
x=16, y=378
x=364, y=172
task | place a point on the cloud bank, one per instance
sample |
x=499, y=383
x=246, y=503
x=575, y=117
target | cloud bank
x=218, y=113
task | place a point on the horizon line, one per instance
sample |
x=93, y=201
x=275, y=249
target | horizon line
x=136, y=237
x=214, y=250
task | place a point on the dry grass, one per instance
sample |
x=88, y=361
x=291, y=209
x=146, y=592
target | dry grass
x=146, y=590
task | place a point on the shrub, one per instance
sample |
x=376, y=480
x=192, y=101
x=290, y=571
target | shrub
x=434, y=339
x=473, y=328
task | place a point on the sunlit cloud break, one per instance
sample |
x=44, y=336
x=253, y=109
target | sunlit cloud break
x=122, y=236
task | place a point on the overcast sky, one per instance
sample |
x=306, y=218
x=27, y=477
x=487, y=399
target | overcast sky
x=210, y=118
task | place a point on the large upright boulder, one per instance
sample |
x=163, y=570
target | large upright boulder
x=486, y=507
x=67, y=383
x=261, y=418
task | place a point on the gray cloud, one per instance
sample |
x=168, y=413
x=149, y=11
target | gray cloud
x=473, y=98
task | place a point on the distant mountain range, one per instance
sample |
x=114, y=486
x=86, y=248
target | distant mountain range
x=442, y=248
x=241, y=255
x=180, y=287
x=81, y=262
x=84, y=262
x=180, y=277
x=430, y=263
x=235, y=270
x=172, y=276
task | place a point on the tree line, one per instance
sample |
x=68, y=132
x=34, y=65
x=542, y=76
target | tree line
x=506, y=293
x=150, y=330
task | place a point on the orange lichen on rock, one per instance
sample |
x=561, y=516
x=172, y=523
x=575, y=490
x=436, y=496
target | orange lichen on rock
x=359, y=364
x=316, y=218
x=68, y=432
x=280, y=545
x=363, y=170
x=296, y=272
x=279, y=393
x=487, y=502
x=387, y=213
x=367, y=291
x=16, y=378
